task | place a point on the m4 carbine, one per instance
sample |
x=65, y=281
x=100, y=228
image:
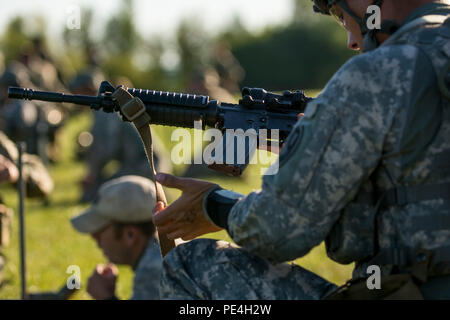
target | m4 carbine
x=258, y=109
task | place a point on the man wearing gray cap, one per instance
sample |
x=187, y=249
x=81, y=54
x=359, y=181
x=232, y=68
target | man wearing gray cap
x=120, y=220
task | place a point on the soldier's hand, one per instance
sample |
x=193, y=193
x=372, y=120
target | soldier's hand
x=184, y=218
x=277, y=149
x=8, y=171
x=102, y=283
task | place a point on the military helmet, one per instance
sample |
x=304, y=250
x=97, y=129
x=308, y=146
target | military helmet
x=323, y=6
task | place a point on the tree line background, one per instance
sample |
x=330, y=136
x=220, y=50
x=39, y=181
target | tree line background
x=302, y=53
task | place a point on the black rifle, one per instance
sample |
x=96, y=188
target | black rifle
x=258, y=109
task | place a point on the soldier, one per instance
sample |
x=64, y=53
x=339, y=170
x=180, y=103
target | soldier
x=8, y=170
x=38, y=182
x=18, y=118
x=44, y=74
x=40, y=65
x=8, y=173
x=113, y=139
x=229, y=70
x=120, y=220
x=37, y=179
x=34, y=122
x=366, y=170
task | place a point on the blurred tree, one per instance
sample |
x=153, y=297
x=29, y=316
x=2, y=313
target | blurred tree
x=303, y=12
x=82, y=38
x=14, y=40
x=121, y=42
x=157, y=75
x=304, y=54
x=235, y=32
x=194, y=48
x=80, y=51
x=121, y=37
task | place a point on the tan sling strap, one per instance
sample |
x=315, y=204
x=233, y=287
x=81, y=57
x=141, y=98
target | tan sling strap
x=134, y=109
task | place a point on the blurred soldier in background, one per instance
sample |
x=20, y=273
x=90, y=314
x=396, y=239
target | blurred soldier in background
x=35, y=123
x=206, y=81
x=39, y=183
x=41, y=66
x=8, y=173
x=112, y=139
x=45, y=75
x=120, y=220
x=229, y=70
x=18, y=118
x=8, y=170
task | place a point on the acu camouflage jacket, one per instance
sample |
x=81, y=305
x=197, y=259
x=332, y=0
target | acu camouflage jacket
x=368, y=167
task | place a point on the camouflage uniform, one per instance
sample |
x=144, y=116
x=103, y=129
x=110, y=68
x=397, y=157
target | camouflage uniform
x=33, y=122
x=147, y=273
x=6, y=216
x=18, y=119
x=39, y=183
x=381, y=124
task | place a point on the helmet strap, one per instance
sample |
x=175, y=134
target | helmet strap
x=370, y=40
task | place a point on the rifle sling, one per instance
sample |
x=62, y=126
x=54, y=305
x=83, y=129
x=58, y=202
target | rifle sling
x=134, y=109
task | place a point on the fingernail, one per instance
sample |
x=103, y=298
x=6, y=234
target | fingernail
x=158, y=207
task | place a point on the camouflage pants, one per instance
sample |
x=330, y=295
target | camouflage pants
x=210, y=269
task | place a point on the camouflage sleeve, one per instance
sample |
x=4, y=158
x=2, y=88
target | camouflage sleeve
x=146, y=285
x=330, y=153
x=148, y=273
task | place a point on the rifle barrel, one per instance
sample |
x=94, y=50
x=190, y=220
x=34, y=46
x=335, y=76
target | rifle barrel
x=182, y=110
x=30, y=94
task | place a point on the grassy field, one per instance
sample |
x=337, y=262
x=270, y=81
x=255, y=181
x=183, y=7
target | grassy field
x=52, y=245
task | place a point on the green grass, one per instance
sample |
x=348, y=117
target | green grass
x=52, y=245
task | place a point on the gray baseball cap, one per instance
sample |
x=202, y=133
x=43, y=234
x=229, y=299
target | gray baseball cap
x=128, y=199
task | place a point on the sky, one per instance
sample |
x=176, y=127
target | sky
x=155, y=16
